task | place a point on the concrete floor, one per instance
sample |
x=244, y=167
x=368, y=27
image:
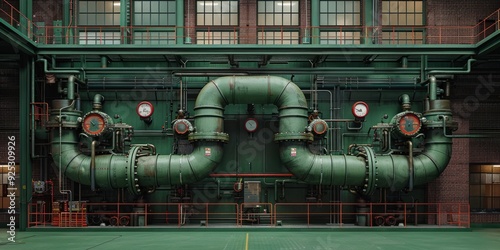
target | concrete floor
x=242, y=238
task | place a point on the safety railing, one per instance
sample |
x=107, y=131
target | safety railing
x=150, y=35
x=373, y=214
x=335, y=214
x=15, y=18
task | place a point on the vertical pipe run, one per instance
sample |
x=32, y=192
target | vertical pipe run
x=432, y=88
x=92, y=165
x=410, y=165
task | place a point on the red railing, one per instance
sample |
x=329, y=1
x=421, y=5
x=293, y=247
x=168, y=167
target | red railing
x=15, y=18
x=252, y=214
x=252, y=35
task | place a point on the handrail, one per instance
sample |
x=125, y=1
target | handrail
x=177, y=214
x=434, y=34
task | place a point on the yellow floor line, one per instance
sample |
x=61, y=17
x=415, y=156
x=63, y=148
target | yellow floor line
x=246, y=243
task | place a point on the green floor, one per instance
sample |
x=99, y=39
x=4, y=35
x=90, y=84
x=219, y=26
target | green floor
x=480, y=239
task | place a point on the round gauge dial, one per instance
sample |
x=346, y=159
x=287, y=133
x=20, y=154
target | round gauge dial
x=145, y=109
x=360, y=109
x=94, y=124
x=251, y=125
x=409, y=124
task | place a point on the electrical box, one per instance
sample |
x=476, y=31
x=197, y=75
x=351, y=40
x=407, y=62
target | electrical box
x=251, y=193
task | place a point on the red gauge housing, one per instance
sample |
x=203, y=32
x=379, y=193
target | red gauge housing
x=360, y=109
x=251, y=125
x=145, y=109
x=409, y=124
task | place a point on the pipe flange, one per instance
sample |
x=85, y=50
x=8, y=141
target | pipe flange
x=293, y=137
x=209, y=136
x=133, y=180
x=64, y=119
x=371, y=174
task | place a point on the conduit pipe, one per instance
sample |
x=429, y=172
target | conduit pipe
x=142, y=169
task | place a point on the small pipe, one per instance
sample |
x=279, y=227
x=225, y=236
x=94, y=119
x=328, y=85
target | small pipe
x=460, y=136
x=97, y=102
x=432, y=88
x=104, y=62
x=92, y=165
x=405, y=102
x=410, y=165
x=71, y=86
x=466, y=71
x=249, y=175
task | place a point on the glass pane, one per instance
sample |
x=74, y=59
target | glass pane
x=100, y=7
x=410, y=6
x=83, y=6
x=200, y=20
x=261, y=19
x=349, y=6
x=91, y=18
x=418, y=19
x=340, y=6
x=393, y=19
x=323, y=19
x=295, y=19
x=164, y=19
x=323, y=6
x=138, y=6
x=218, y=20
x=225, y=6
x=402, y=19
x=109, y=6
x=91, y=6
x=356, y=6
x=100, y=19
x=261, y=7
x=385, y=6
x=357, y=19
x=83, y=19
x=200, y=7
x=171, y=6
x=278, y=19
x=146, y=6
x=418, y=6
x=340, y=19
x=171, y=19
x=234, y=19
x=163, y=7
x=402, y=6
x=394, y=6
x=269, y=19
x=155, y=19
x=234, y=6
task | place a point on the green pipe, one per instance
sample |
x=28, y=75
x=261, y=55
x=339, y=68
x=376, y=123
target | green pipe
x=365, y=169
x=432, y=88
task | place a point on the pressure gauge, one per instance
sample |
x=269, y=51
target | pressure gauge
x=360, y=109
x=145, y=109
x=251, y=125
x=95, y=123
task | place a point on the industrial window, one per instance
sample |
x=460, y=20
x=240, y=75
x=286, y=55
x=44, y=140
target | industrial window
x=402, y=37
x=154, y=12
x=99, y=13
x=154, y=37
x=337, y=37
x=406, y=13
x=216, y=37
x=278, y=13
x=278, y=37
x=484, y=181
x=217, y=13
x=340, y=13
x=99, y=37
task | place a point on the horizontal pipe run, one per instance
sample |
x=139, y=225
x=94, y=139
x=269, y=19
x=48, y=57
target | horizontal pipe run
x=250, y=175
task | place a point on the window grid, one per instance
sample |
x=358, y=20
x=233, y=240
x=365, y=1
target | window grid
x=484, y=188
x=99, y=37
x=278, y=37
x=216, y=37
x=154, y=37
x=154, y=12
x=340, y=37
x=99, y=13
x=217, y=13
x=402, y=13
x=340, y=12
x=278, y=13
x=402, y=37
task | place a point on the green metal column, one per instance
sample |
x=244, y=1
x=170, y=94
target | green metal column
x=23, y=141
x=179, y=23
x=124, y=14
x=67, y=32
x=26, y=8
x=369, y=12
x=315, y=21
